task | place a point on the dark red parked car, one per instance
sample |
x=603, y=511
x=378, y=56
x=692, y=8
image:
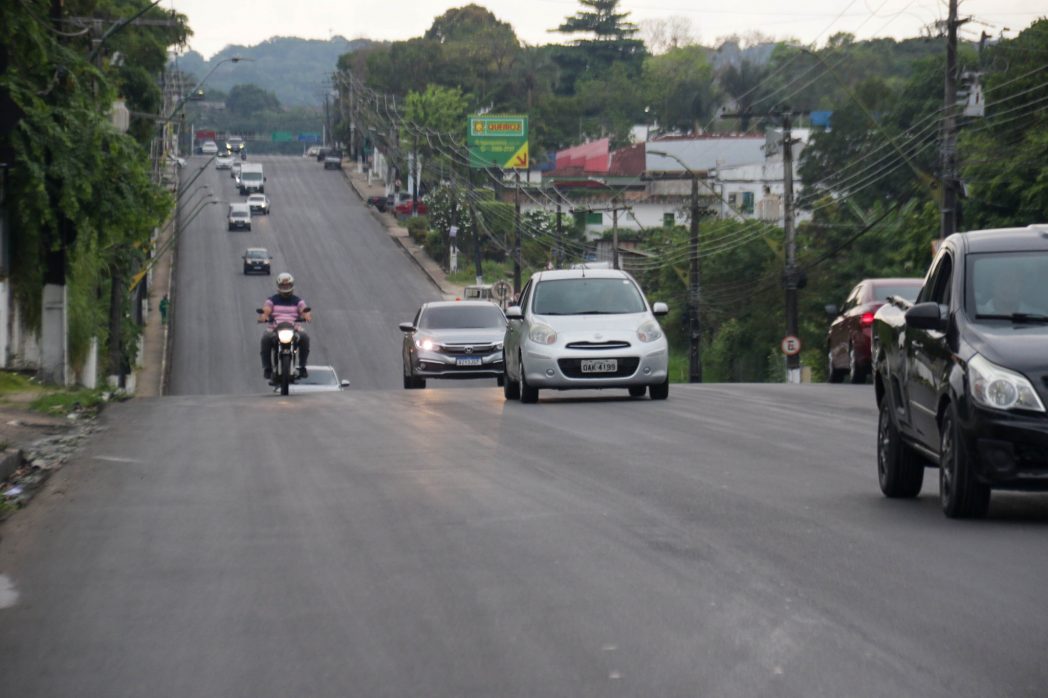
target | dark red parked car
x=848, y=340
x=404, y=208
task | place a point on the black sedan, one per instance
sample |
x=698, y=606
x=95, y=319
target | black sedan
x=453, y=339
x=257, y=259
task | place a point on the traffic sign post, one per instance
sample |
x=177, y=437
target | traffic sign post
x=498, y=141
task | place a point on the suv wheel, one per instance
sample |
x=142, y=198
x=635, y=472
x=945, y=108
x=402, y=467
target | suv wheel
x=833, y=375
x=961, y=494
x=900, y=471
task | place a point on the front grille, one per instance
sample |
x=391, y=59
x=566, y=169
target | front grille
x=468, y=349
x=572, y=368
x=598, y=346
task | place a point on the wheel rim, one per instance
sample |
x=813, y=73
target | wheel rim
x=852, y=368
x=946, y=462
x=884, y=439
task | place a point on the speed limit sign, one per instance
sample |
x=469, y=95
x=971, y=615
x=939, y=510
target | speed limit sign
x=501, y=290
x=791, y=346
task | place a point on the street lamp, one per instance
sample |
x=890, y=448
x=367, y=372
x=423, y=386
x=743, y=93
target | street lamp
x=182, y=101
x=694, y=328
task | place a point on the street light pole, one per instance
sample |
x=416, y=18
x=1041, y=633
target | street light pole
x=694, y=288
x=181, y=102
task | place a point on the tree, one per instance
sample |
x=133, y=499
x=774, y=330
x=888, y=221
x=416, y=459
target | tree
x=681, y=88
x=661, y=35
x=245, y=100
x=743, y=84
x=611, y=41
x=602, y=21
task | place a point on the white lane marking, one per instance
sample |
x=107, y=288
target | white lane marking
x=8, y=593
x=117, y=459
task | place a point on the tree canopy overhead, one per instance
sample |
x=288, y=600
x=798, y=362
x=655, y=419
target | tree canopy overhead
x=602, y=20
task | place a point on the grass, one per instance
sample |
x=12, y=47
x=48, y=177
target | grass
x=66, y=401
x=493, y=271
x=12, y=383
x=678, y=368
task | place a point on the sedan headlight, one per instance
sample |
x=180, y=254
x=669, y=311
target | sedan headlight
x=998, y=388
x=498, y=346
x=541, y=333
x=649, y=331
x=285, y=336
x=425, y=343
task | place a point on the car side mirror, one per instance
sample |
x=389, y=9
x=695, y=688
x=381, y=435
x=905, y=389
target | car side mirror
x=659, y=309
x=514, y=313
x=407, y=327
x=344, y=383
x=832, y=310
x=926, y=316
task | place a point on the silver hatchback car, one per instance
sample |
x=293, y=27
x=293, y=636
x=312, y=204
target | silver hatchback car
x=585, y=328
x=453, y=339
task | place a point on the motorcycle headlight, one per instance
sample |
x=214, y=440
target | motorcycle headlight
x=649, y=331
x=541, y=333
x=285, y=336
x=998, y=388
x=425, y=343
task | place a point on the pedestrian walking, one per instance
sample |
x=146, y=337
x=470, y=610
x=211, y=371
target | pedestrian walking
x=165, y=304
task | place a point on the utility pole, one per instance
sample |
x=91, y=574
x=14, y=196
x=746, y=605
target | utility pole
x=948, y=156
x=614, y=234
x=694, y=328
x=476, y=228
x=793, y=361
x=516, y=235
x=558, y=253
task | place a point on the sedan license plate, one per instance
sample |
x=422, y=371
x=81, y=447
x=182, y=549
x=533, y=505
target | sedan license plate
x=468, y=361
x=600, y=365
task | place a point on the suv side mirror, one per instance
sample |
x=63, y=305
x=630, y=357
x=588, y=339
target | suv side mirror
x=926, y=316
x=659, y=309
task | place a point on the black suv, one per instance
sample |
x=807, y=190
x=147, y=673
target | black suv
x=961, y=375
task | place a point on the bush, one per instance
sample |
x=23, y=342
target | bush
x=418, y=228
x=434, y=246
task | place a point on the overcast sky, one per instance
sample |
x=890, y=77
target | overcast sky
x=217, y=23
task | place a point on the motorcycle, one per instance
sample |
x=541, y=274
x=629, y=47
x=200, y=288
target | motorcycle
x=284, y=356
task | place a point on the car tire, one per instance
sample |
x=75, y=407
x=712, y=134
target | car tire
x=638, y=390
x=962, y=496
x=900, y=471
x=231, y=228
x=833, y=375
x=246, y=271
x=249, y=229
x=856, y=374
x=510, y=387
x=660, y=391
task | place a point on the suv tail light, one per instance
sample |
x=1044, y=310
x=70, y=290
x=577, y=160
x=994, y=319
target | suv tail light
x=867, y=319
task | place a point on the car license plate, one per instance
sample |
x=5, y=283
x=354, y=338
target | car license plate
x=600, y=365
x=467, y=361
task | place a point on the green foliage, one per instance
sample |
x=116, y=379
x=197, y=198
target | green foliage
x=245, y=100
x=681, y=88
x=418, y=228
x=435, y=246
x=66, y=401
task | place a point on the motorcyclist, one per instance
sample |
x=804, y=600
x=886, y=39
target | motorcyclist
x=284, y=306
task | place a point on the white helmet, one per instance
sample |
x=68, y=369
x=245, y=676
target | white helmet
x=285, y=283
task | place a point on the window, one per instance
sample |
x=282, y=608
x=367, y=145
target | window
x=594, y=218
x=669, y=219
x=747, y=202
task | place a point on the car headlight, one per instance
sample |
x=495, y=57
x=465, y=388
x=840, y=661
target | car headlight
x=285, y=336
x=1001, y=389
x=649, y=331
x=541, y=333
x=425, y=343
x=498, y=346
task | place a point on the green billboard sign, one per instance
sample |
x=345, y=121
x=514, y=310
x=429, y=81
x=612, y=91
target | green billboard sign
x=498, y=141
x=282, y=136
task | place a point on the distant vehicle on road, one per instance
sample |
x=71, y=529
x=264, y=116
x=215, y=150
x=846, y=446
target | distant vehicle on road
x=379, y=202
x=961, y=375
x=321, y=379
x=224, y=162
x=848, y=338
x=321, y=154
x=252, y=179
x=257, y=259
x=311, y=151
x=239, y=217
x=453, y=339
x=235, y=145
x=333, y=160
x=581, y=328
x=258, y=203
x=209, y=148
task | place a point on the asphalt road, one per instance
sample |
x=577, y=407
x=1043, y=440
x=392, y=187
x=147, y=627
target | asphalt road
x=360, y=284
x=730, y=541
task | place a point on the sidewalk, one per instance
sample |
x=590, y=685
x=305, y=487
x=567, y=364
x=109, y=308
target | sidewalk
x=400, y=235
x=150, y=377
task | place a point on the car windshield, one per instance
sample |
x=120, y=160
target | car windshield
x=239, y=214
x=462, y=317
x=255, y=199
x=256, y=254
x=587, y=296
x=1007, y=285
x=251, y=176
x=907, y=291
